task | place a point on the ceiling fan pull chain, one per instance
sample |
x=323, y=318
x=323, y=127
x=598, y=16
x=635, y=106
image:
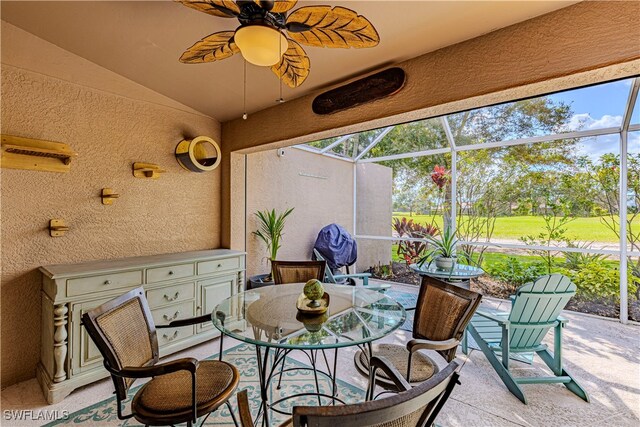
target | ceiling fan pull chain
x=244, y=92
x=281, y=99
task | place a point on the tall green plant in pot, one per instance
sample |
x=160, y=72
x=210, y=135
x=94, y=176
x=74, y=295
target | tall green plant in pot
x=442, y=250
x=270, y=227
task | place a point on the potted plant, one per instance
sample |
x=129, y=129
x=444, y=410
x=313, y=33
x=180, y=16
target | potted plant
x=443, y=251
x=270, y=228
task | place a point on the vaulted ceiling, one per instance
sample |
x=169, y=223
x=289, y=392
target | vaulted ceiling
x=143, y=40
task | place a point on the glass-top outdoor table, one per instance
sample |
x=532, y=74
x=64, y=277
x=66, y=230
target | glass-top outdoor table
x=268, y=318
x=460, y=274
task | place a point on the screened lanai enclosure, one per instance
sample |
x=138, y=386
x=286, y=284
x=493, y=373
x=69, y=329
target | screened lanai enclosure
x=547, y=184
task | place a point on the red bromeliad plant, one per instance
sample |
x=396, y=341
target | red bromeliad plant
x=411, y=251
x=440, y=176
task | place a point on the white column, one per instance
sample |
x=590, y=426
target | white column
x=623, y=228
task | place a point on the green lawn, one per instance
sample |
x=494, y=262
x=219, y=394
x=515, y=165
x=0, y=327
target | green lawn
x=489, y=257
x=583, y=229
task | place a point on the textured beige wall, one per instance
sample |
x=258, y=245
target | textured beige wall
x=275, y=182
x=374, y=184
x=48, y=93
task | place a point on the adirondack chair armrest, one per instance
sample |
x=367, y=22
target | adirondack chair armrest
x=499, y=320
x=419, y=344
x=563, y=320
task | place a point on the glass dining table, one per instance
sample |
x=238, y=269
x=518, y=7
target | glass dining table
x=459, y=274
x=268, y=318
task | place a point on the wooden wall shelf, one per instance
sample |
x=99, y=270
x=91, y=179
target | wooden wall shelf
x=35, y=154
x=147, y=170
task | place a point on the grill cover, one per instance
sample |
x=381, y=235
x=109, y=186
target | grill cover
x=336, y=245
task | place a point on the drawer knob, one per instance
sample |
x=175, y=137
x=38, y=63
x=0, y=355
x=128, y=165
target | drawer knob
x=107, y=282
x=170, y=318
x=219, y=265
x=170, y=337
x=170, y=272
x=173, y=298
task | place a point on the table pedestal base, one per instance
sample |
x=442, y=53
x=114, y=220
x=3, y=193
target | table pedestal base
x=271, y=364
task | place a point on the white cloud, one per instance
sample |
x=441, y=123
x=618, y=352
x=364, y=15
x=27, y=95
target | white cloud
x=584, y=121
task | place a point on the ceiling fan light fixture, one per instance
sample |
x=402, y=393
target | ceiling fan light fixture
x=261, y=45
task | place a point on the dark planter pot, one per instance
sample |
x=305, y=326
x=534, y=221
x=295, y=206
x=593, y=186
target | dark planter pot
x=258, y=281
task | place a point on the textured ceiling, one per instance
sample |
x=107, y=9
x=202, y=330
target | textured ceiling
x=143, y=41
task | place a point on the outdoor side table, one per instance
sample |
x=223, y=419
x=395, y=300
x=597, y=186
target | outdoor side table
x=268, y=318
x=459, y=275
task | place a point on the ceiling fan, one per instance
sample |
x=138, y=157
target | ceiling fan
x=269, y=35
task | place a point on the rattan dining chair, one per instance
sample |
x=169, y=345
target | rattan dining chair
x=297, y=271
x=441, y=315
x=412, y=407
x=181, y=390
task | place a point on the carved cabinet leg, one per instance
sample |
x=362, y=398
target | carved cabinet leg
x=241, y=284
x=60, y=321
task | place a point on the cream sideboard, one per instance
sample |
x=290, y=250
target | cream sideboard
x=177, y=286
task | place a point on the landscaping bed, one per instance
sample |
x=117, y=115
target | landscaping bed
x=489, y=286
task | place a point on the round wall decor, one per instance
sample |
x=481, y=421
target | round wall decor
x=201, y=154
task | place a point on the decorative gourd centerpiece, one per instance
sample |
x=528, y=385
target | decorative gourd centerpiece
x=313, y=300
x=313, y=290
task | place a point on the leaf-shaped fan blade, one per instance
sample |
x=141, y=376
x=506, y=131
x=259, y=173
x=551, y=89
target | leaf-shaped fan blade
x=221, y=8
x=337, y=27
x=294, y=66
x=214, y=47
x=277, y=6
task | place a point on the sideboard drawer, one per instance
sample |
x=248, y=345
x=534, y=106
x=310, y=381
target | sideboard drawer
x=166, y=315
x=171, y=294
x=106, y=282
x=171, y=272
x=171, y=335
x=207, y=267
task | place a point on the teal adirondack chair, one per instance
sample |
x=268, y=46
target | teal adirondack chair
x=503, y=336
x=329, y=277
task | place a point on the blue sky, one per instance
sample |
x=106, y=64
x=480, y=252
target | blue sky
x=597, y=101
x=599, y=107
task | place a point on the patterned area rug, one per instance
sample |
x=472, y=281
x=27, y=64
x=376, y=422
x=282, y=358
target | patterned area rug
x=407, y=300
x=243, y=357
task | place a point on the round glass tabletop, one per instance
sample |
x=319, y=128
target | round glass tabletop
x=268, y=317
x=458, y=272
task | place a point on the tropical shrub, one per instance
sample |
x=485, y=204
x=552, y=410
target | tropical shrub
x=575, y=260
x=271, y=226
x=514, y=273
x=596, y=279
x=411, y=251
x=599, y=279
x=382, y=271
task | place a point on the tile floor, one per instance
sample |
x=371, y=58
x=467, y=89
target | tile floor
x=602, y=354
